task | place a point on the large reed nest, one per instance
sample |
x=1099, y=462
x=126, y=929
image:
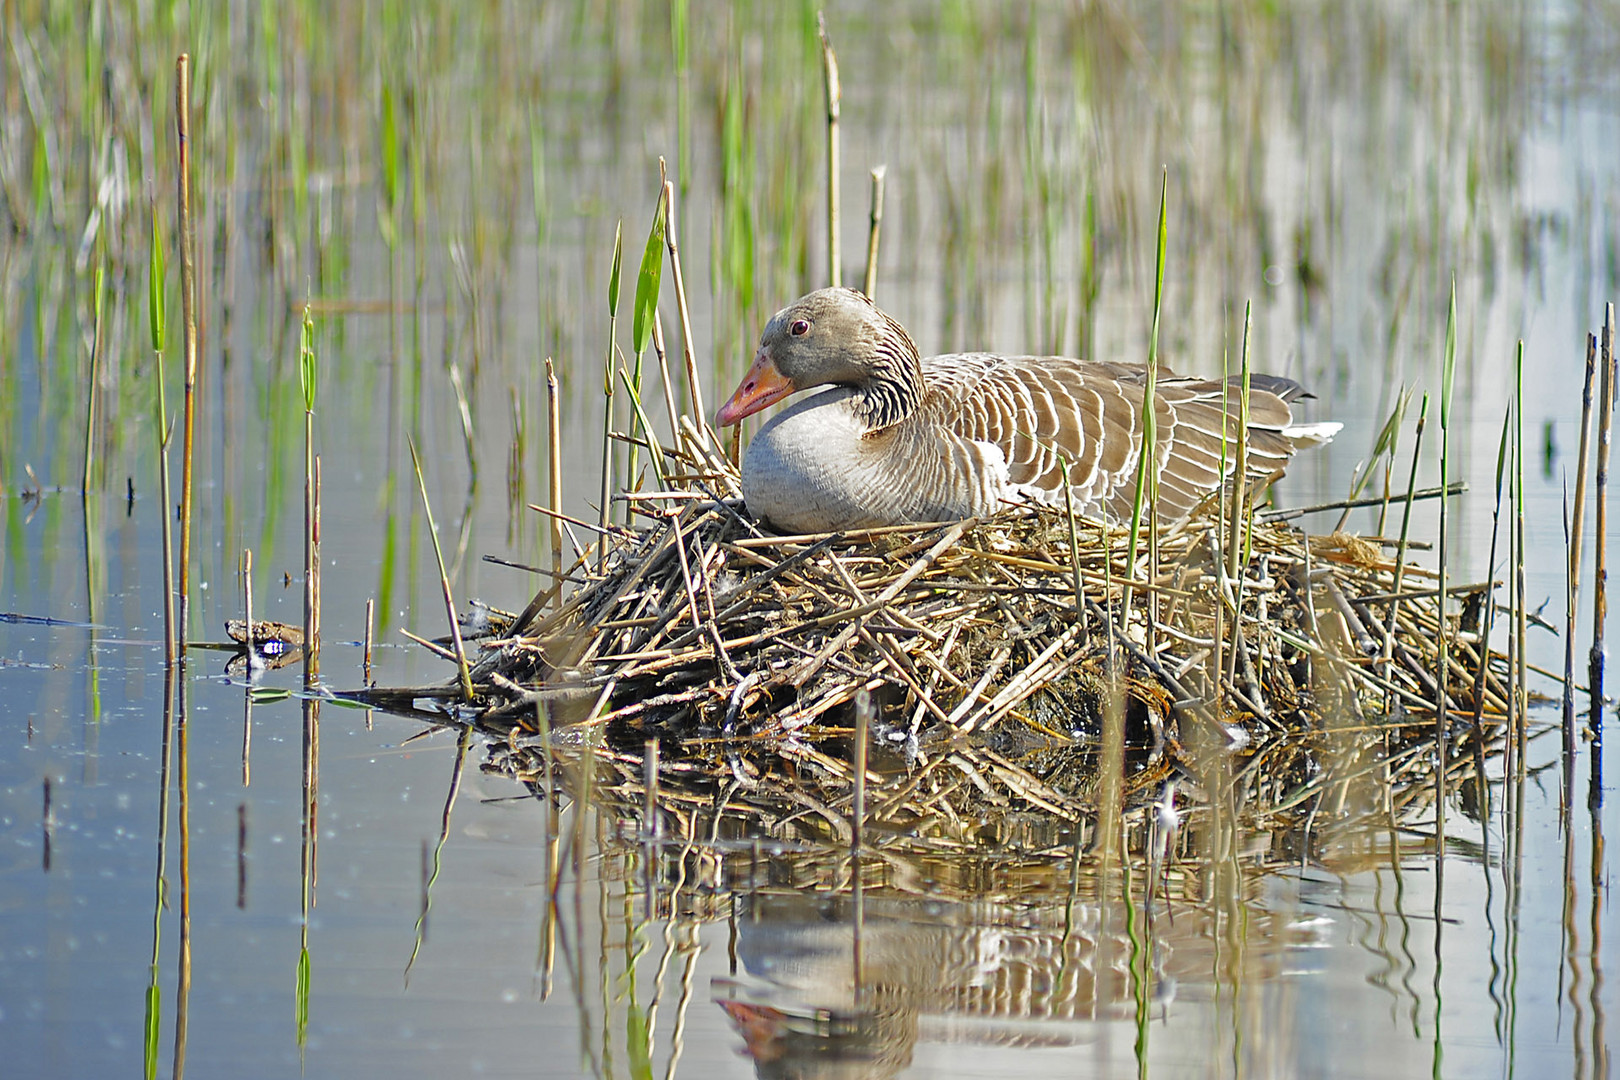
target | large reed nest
x=994, y=653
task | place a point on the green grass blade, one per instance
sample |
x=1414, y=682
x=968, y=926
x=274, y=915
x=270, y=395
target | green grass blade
x=306, y=360
x=1448, y=375
x=613, y=276
x=156, y=287
x=648, y=280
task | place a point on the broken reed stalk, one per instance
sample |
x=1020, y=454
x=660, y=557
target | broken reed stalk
x=1573, y=577
x=829, y=68
x=608, y=364
x=188, y=330
x=554, y=468
x=875, y=228
x=463, y=672
x=92, y=392
x=157, y=299
x=365, y=644
x=1600, y=574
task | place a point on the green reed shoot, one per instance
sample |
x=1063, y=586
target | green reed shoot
x=554, y=470
x=462, y=670
x=678, y=40
x=607, y=395
x=655, y=451
x=537, y=174
x=645, y=310
x=96, y=346
x=1488, y=617
x=188, y=314
x=1406, y=527
x=1384, y=449
x=156, y=296
x=1240, y=524
x=1147, y=470
x=1448, y=378
x=157, y=301
x=389, y=132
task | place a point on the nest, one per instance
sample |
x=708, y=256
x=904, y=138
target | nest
x=991, y=658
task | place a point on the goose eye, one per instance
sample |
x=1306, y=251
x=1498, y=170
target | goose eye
x=799, y=328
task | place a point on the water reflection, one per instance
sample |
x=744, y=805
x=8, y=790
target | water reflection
x=1024, y=939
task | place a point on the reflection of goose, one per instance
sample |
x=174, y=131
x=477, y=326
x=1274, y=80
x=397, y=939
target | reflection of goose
x=936, y=972
x=898, y=438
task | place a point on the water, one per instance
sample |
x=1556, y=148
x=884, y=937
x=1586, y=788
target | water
x=1339, y=168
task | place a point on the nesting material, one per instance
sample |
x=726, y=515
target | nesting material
x=999, y=646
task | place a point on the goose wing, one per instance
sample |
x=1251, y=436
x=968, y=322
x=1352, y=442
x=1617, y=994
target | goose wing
x=1043, y=412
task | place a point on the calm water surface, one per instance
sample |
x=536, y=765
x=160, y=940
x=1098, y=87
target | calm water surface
x=1338, y=169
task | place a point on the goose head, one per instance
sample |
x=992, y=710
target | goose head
x=834, y=337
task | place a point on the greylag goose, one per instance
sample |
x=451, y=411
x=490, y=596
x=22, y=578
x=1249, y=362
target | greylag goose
x=900, y=438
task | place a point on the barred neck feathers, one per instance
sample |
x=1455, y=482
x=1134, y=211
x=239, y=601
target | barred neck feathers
x=894, y=388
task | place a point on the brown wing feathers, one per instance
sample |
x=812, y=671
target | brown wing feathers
x=1043, y=412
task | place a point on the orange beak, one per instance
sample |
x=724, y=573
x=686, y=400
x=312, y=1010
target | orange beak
x=762, y=387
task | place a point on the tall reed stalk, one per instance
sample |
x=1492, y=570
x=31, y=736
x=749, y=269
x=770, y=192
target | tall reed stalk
x=694, y=387
x=608, y=365
x=188, y=328
x=1600, y=573
x=157, y=307
x=1572, y=586
x=312, y=505
x=829, y=69
x=1520, y=600
x=554, y=470
x=1147, y=471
